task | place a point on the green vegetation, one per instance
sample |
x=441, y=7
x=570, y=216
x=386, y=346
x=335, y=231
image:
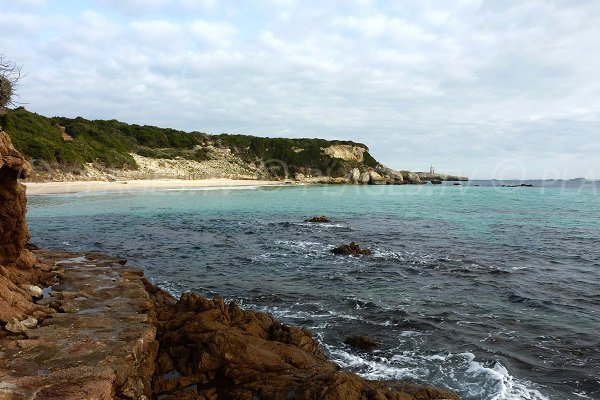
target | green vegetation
x=109, y=144
x=297, y=155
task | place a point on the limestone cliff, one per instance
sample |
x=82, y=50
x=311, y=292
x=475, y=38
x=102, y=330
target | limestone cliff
x=346, y=152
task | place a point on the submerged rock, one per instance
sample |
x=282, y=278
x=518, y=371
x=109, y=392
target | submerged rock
x=361, y=343
x=352, y=249
x=320, y=219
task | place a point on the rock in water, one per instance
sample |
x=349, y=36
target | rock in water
x=365, y=177
x=212, y=350
x=320, y=219
x=354, y=175
x=352, y=249
x=361, y=343
x=410, y=177
x=376, y=179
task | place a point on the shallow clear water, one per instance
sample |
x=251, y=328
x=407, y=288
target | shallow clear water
x=493, y=292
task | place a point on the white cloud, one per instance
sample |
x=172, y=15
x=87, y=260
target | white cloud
x=462, y=84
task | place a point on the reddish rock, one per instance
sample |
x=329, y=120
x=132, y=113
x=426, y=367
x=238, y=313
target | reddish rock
x=351, y=249
x=212, y=350
x=320, y=219
x=364, y=343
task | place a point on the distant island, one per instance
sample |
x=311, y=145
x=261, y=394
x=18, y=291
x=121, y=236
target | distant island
x=77, y=149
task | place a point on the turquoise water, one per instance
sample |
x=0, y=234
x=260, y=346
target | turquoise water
x=493, y=292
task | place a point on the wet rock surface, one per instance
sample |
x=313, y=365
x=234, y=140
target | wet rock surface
x=212, y=350
x=363, y=343
x=110, y=334
x=352, y=249
x=97, y=340
x=321, y=219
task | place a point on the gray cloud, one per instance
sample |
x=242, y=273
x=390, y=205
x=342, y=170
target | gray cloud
x=471, y=86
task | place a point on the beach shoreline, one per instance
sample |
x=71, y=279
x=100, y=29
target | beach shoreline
x=45, y=188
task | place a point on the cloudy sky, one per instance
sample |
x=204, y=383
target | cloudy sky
x=504, y=89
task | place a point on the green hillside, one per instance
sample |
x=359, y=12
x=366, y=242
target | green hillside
x=109, y=144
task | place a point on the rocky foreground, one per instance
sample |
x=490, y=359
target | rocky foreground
x=107, y=333
x=87, y=326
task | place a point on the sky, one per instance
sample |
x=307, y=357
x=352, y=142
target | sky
x=487, y=89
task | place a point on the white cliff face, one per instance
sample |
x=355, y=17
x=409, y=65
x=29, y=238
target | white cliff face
x=345, y=152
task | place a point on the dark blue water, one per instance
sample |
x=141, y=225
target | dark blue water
x=493, y=292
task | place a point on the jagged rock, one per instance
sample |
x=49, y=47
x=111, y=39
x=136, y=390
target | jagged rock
x=213, y=350
x=32, y=290
x=354, y=175
x=364, y=343
x=30, y=322
x=346, y=152
x=300, y=177
x=393, y=176
x=15, y=326
x=351, y=249
x=320, y=219
x=376, y=179
x=365, y=177
x=410, y=177
x=13, y=228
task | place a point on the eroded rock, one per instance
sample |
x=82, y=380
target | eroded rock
x=320, y=219
x=32, y=290
x=213, y=350
x=352, y=249
x=364, y=343
x=13, y=228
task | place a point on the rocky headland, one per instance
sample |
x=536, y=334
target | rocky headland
x=88, y=326
x=75, y=149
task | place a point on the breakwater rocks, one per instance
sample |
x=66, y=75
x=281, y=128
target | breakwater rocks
x=111, y=334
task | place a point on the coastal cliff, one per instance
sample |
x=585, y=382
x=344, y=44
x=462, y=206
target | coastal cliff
x=88, y=326
x=76, y=149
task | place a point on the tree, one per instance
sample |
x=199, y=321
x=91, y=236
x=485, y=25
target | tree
x=10, y=73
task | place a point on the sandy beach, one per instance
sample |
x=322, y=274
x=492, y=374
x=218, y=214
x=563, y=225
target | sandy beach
x=34, y=188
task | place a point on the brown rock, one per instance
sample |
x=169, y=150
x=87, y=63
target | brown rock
x=320, y=219
x=212, y=350
x=13, y=229
x=351, y=249
x=364, y=343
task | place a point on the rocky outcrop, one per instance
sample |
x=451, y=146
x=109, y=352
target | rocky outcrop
x=352, y=249
x=96, y=341
x=431, y=177
x=217, y=351
x=346, y=152
x=411, y=177
x=18, y=279
x=363, y=343
x=321, y=219
x=13, y=228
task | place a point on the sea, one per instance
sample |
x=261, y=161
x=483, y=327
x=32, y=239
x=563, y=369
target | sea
x=484, y=288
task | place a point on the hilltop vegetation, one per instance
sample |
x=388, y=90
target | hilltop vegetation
x=70, y=143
